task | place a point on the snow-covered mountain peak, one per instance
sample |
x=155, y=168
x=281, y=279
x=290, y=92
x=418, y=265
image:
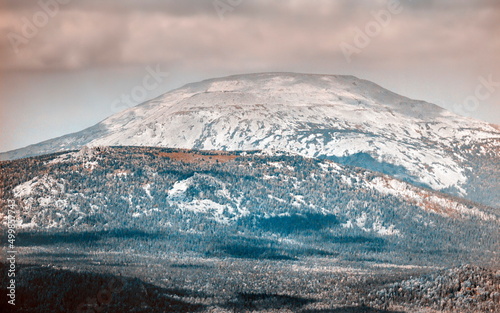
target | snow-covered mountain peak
x=290, y=89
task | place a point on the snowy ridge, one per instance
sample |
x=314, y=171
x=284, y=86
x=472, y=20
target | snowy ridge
x=428, y=201
x=51, y=203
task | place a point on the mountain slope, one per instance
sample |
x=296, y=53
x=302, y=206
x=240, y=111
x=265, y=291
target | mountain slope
x=244, y=200
x=341, y=118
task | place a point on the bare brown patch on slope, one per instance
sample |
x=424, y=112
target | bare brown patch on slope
x=193, y=157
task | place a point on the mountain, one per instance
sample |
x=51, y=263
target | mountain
x=340, y=118
x=243, y=204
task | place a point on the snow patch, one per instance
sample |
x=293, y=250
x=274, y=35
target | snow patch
x=427, y=201
x=180, y=188
x=40, y=186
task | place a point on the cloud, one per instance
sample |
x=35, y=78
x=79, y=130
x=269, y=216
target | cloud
x=118, y=33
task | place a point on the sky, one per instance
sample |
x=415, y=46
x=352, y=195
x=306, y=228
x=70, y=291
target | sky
x=68, y=64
